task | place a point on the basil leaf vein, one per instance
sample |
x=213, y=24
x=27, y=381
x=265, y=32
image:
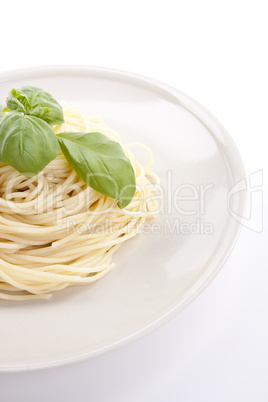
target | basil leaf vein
x=101, y=163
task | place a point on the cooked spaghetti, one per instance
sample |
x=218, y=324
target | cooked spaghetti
x=56, y=231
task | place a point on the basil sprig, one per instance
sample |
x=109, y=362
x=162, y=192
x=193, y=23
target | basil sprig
x=28, y=143
x=37, y=102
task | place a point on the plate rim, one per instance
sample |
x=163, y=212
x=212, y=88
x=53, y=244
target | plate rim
x=219, y=133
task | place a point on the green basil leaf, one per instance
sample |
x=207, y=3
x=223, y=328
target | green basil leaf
x=1, y=110
x=18, y=102
x=40, y=104
x=101, y=163
x=27, y=143
x=39, y=111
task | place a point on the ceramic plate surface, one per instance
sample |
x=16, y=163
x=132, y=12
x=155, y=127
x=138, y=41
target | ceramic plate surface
x=158, y=273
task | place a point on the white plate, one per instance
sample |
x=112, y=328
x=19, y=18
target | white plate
x=159, y=273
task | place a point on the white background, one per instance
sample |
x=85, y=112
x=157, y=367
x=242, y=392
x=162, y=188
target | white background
x=216, y=52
